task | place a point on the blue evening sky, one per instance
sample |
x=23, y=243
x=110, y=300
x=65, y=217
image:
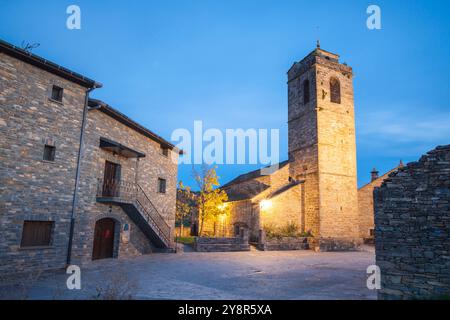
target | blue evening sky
x=168, y=63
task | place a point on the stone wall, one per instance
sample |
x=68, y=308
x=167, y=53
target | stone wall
x=337, y=157
x=322, y=148
x=244, y=213
x=242, y=210
x=284, y=208
x=282, y=243
x=30, y=187
x=144, y=171
x=303, y=137
x=412, y=229
x=365, y=207
x=34, y=189
x=206, y=244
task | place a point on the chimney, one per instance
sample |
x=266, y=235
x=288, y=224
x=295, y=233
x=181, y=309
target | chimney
x=374, y=175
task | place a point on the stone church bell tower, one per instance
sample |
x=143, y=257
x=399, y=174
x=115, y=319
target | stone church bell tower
x=322, y=148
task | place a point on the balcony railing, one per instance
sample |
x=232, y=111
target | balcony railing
x=132, y=193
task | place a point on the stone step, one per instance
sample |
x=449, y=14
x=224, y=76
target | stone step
x=222, y=248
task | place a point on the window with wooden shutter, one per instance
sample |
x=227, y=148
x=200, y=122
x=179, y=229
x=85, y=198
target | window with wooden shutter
x=36, y=233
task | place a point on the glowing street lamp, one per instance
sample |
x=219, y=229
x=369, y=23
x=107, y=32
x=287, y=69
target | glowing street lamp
x=265, y=204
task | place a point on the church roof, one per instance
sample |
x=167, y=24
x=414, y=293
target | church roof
x=250, y=191
x=246, y=193
x=251, y=175
x=384, y=176
x=285, y=188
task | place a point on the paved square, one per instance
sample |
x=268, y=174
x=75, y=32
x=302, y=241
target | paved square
x=235, y=275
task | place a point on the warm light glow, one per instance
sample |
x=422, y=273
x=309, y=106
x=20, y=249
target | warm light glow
x=265, y=204
x=222, y=206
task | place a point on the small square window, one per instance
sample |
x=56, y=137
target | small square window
x=49, y=153
x=165, y=151
x=36, y=233
x=57, y=93
x=162, y=185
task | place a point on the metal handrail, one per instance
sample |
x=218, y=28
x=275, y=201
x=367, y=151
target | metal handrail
x=131, y=192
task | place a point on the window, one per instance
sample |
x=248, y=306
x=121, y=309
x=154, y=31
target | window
x=372, y=232
x=49, y=153
x=305, y=91
x=162, y=185
x=57, y=93
x=36, y=233
x=335, y=90
x=165, y=151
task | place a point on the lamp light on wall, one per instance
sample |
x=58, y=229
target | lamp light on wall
x=265, y=204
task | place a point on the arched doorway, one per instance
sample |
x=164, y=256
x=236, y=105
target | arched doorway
x=103, y=239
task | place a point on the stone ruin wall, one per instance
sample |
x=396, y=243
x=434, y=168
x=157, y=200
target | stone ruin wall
x=412, y=229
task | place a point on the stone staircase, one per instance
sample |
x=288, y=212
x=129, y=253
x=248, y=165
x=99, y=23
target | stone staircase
x=203, y=244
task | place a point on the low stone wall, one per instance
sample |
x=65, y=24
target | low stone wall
x=338, y=244
x=412, y=229
x=284, y=243
x=204, y=244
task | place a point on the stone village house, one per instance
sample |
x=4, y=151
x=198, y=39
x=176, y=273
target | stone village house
x=316, y=189
x=78, y=179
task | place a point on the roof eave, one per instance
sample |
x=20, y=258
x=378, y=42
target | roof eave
x=47, y=65
x=117, y=115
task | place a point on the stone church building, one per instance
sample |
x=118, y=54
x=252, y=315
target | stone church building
x=78, y=179
x=316, y=189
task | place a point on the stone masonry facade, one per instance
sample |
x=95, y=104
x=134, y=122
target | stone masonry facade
x=317, y=187
x=33, y=189
x=143, y=171
x=412, y=233
x=322, y=148
x=365, y=206
x=263, y=201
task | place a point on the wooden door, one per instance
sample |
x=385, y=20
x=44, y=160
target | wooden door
x=111, y=179
x=103, y=239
